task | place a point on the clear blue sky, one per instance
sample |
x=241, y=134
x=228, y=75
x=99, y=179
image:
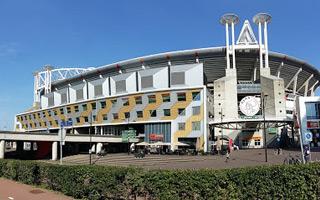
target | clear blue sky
x=82, y=33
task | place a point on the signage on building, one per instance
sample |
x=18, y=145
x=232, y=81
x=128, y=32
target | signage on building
x=272, y=130
x=155, y=137
x=128, y=135
x=308, y=137
x=249, y=106
x=312, y=124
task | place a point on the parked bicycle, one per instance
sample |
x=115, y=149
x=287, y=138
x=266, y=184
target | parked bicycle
x=292, y=160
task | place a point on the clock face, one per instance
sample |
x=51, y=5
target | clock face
x=249, y=106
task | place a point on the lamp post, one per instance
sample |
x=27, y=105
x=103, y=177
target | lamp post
x=264, y=96
x=90, y=140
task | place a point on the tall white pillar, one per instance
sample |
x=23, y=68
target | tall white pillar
x=2, y=149
x=266, y=45
x=99, y=147
x=227, y=46
x=54, y=150
x=233, y=50
x=260, y=46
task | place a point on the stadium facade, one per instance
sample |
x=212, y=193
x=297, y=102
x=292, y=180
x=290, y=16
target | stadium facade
x=191, y=96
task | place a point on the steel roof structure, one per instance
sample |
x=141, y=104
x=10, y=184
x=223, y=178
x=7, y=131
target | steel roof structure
x=214, y=60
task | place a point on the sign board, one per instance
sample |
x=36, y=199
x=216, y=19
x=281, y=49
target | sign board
x=128, y=135
x=62, y=135
x=308, y=137
x=272, y=130
x=156, y=137
x=312, y=124
x=249, y=106
x=66, y=123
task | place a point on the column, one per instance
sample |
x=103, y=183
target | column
x=2, y=149
x=54, y=150
x=99, y=147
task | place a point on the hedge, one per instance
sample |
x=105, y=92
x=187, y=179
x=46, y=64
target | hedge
x=104, y=182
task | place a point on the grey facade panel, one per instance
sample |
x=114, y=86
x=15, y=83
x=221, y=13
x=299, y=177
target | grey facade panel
x=177, y=78
x=121, y=86
x=79, y=94
x=64, y=98
x=146, y=82
x=98, y=90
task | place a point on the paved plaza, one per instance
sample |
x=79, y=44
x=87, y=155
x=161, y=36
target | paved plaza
x=241, y=158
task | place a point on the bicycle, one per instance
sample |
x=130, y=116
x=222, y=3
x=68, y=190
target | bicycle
x=277, y=151
x=290, y=160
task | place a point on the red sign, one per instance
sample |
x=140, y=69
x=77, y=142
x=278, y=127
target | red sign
x=312, y=124
x=156, y=137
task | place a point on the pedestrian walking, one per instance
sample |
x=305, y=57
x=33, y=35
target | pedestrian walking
x=227, y=156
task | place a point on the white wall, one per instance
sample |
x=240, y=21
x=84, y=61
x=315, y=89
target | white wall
x=193, y=74
x=74, y=88
x=130, y=82
x=105, y=87
x=160, y=78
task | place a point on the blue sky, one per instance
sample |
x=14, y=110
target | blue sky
x=81, y=33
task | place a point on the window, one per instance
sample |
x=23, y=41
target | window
x=94, y=117
x=55, y=112
x=152, y=98
x=39, y=115
x=196, y=126
x=78, y=119
x=93, y=105
x=79, y=94
x=56, y=121
x=120, y=86
x=138, y=99
x=76, y=108
x=125, y=101
x=181, y=96
x=245, y=143
x=50, y=123
x=182, y=111
x=84, y=107
x=105, y=117
x=64, y=98
x=196, y=96
x=166, y=112
x=50, y=101
x=114, y=102
x=290, y=112
x=177, y=78
x=102, y=104
x=127, y=115
x=68, y=109
x=98, y=90
x=153, y=113
x=146, y=82
x=86, y=119
x=257, y=142
x=139, y=114
x=181, y=126
x=49, y=113
x=196, y=110
x=115, y=116
x=165, y=97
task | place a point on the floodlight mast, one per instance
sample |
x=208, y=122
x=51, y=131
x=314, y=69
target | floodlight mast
x=263, y=19
x=230, y=19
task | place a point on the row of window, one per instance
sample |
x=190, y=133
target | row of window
x=196, y=126
x=153, y=113
x=138, y=100
x=245, y=143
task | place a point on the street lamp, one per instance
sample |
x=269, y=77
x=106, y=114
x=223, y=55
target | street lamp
x=264, y=96
x=90, y=141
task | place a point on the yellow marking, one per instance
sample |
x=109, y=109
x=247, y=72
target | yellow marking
x=124, y=109
x=104, y=111
x=188, y=125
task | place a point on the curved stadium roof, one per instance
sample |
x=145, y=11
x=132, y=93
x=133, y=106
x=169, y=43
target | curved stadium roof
x=214, y=62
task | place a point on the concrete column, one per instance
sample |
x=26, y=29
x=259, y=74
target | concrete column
x=99, y=147
x=2, y=149
x=54, y=150
x=93, y=148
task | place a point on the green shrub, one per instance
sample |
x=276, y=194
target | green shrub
x=103, y=182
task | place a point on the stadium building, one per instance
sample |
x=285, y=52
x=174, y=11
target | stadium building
x=241, y=91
